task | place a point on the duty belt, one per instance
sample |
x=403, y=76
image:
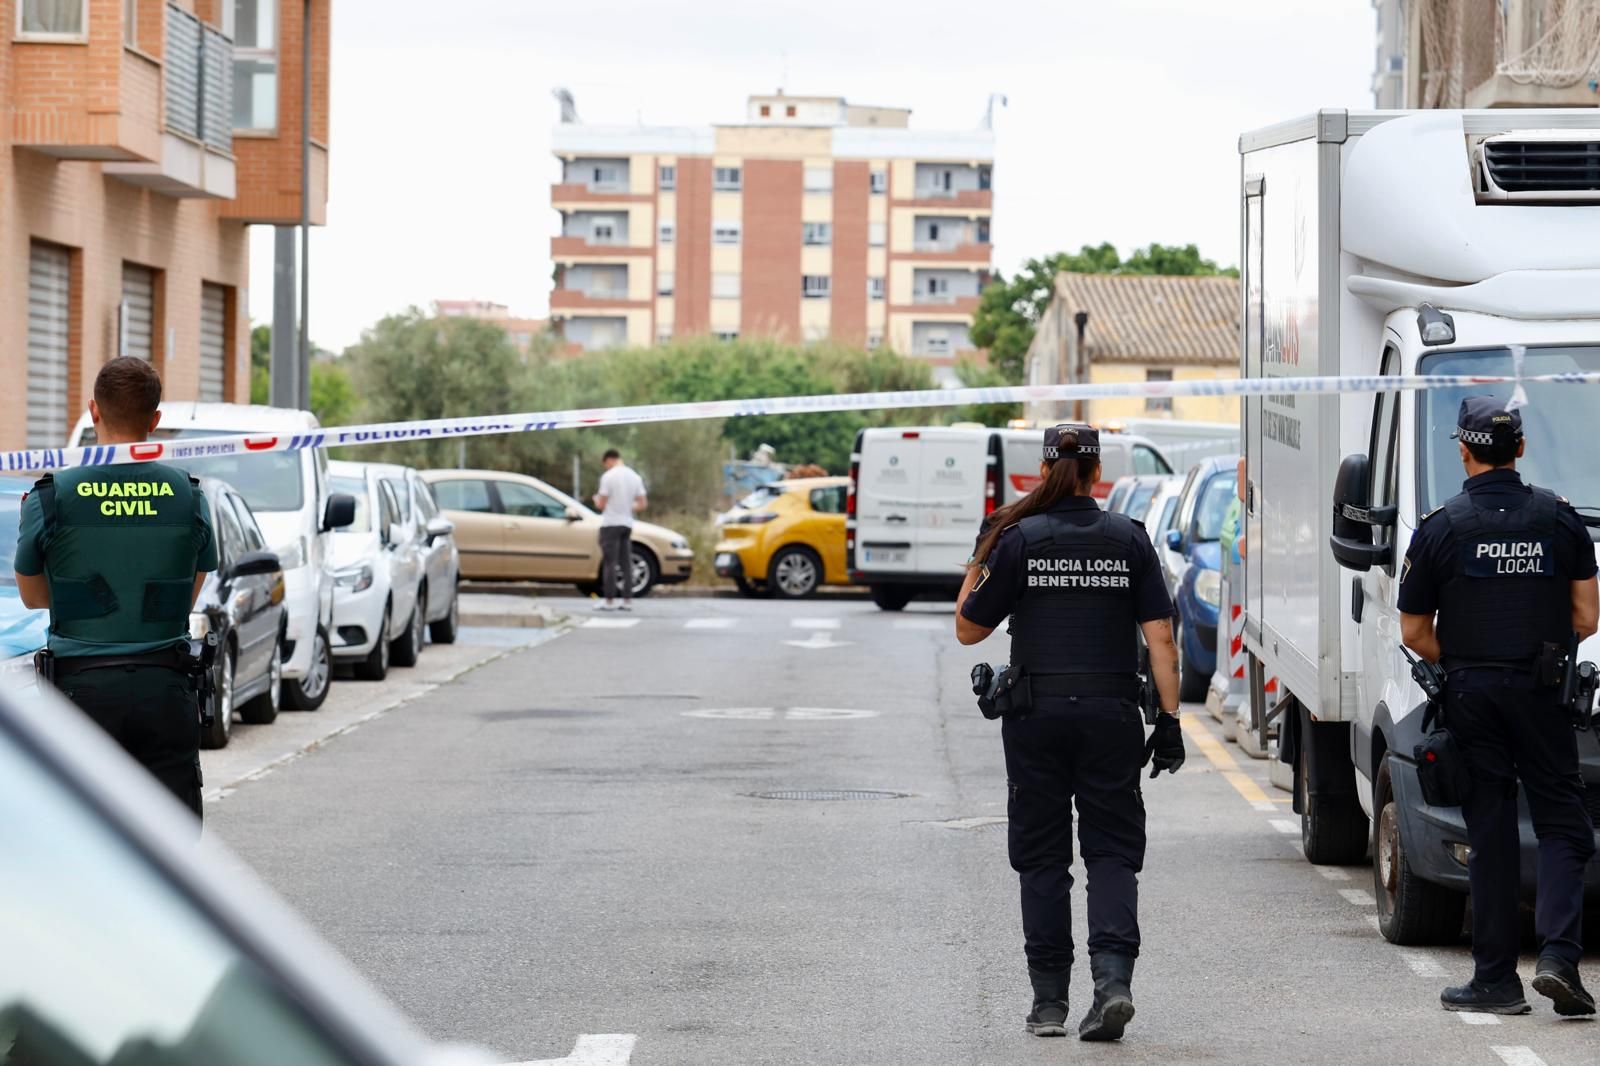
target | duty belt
x=1120, y=686
x=170, y=658
x=1516, y=666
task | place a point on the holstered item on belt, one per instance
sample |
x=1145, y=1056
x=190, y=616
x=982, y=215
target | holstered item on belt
x=1441, y=771
x=1550, y=667
x=1006, y=693
x=44, y=664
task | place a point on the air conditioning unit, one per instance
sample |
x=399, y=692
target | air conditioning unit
x=1537, y=166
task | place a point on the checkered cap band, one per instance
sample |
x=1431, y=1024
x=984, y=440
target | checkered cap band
x=1480, y=437
x=1051, y=451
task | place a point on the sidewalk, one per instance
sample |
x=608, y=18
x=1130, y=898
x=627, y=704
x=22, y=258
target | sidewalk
x=522, y=610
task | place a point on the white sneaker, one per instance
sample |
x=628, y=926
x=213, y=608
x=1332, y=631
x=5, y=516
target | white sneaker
x=627, y=605
x=605, y=607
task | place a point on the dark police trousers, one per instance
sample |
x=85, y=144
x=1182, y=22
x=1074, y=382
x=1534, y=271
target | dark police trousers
x=152, y=711
x=1087, y=748
x=1507, y=728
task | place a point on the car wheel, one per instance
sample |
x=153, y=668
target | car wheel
x=1192, y=683
x=220, y=731
x=408, y=649
x=891, y=597
x=645, y=573
x=307, y=693
x=795, y=573
x=445, y=629
x=375, y=667
x=1410, y=910
x=263, y=710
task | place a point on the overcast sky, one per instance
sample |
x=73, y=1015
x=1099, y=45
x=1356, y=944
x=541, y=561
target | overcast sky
x=1123, y=120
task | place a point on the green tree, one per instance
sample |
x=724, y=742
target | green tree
x=333, y=398
x=974, y=375
x=260, y=364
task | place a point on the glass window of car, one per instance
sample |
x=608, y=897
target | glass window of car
x=355, y=487
x=270, y=481
x=426, y=508
x=107, y=960
x=1168, y=509
x=1146, y=461
x=829, y=500
x=1188, y=499
x=388, y=508
x=230, y=538
x=402, y=498
x=253, y=540
x=1218, y=493
x=760, y=497
x=462, y=495
x=525, y=501
x=1139, y=501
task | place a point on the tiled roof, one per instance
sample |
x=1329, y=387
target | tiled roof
x=1145, y=318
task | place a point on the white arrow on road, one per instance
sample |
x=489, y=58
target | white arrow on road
x=605, y=1049
x=817, y=640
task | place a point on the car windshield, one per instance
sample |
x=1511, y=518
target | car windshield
x=1139, y=502
x=1556, y=416
x=269, y=482
x=760, y=497
x=1213, y=507
x=357, y=490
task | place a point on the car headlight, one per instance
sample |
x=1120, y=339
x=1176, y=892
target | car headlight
x=354, y=578
x=199, y=625
x=1208, y=587
x=292, y=555
x=679, y=544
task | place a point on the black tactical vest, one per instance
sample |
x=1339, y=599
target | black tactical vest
x=1076, y=614
x=119, y=553
x=1504, y=595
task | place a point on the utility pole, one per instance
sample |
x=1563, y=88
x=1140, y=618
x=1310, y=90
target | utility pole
x=304, y=376
x=291, y=318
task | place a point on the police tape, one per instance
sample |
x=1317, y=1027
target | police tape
x=179, y=449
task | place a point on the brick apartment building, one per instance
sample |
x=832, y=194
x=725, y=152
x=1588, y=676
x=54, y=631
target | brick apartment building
x=813, y=219
x=520, y=331
x=140, y=138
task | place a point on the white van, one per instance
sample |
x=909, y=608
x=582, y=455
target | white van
x=919, y=495
x=288, y=491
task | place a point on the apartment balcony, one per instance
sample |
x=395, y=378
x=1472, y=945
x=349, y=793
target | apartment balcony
x=581, y=248
x=85, y=97
x=578, y=301
x=950, y=252
x=577, y=195
x=942, y=303
x=967, y=199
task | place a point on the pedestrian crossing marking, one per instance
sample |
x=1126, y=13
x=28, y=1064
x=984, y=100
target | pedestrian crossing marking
x=1472, y=1017
x=1332, y=873
x=1422, y=965
x=1283, y=825
x=814, y=623
x=606, y=1049
x=709, y=623
x=610, y=623
x=921, y=623
x=1518, y=1056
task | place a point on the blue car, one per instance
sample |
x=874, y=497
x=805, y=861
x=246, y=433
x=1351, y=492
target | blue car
x=22, y=629
x=1196, y=554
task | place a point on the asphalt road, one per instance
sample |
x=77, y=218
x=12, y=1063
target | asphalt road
x=569, y=840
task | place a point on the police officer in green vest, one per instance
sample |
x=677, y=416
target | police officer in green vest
x=118, y=553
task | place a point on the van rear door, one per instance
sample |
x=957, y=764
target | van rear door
x=1023, y=449
x=886, y=501
x=951, y=476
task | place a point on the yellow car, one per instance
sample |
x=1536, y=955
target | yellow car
x=786, y=538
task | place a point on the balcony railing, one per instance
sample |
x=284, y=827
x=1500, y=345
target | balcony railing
x=199, y=81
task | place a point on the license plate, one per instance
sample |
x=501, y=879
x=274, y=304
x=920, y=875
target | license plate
x=882, y=555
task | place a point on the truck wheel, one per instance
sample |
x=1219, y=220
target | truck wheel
x=1410, y=910
x=890, y=597
x=1333, y=830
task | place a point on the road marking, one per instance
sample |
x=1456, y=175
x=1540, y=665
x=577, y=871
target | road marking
x=1377, y=927
x=709, y=623
x=1518, y=1056
x=1332, y=873
x=1422, y=965
x=1472, y=1017
x=767, y=714
x=818, y=641
x=748, y=714
x=607, y=1049
x=1264, y=806
x=921, y=623
x=1358, y=896
x=982, y=821
x=1218, y=757
x=610, y=623
x=1283, y=825
x=825, y=714
x=813, y=623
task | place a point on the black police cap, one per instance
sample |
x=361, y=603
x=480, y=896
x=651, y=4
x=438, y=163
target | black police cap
x=1071, y=439
x=1483, y=419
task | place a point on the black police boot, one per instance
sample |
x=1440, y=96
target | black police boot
x=1113, y=998
x=1049, y=1014
x=1557, y=980
x=1502, y=997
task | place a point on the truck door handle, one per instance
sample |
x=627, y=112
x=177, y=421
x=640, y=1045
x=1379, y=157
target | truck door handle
x=1358, y=598
x=894, y=518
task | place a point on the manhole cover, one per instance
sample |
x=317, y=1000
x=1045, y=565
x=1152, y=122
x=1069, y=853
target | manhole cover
x=830, y=794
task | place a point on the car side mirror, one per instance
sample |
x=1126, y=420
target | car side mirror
x=252, y=563
x=574, y=515
x=1175, y=540
x=1354, y=518
x=439, y=527
x=339, y=511
x=394, y=535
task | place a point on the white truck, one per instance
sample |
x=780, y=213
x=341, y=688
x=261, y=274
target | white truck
x=1381, y=243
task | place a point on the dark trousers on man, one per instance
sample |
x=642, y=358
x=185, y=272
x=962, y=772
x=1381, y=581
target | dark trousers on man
x=616, y=561
x=1089, y=749
x=1508, y=729
x=152, y=711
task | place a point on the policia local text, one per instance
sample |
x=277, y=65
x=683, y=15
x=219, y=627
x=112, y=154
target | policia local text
x=1078, y=573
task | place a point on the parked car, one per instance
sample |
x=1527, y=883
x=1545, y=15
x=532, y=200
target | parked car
x=1137, y=492
x=512, y=527
x=786, y=538
x=435, y=538
x=377, y=613
x=23, y=630
x=242, y=602
x=1197, y=586
x=1162, y=515
x=288, y=493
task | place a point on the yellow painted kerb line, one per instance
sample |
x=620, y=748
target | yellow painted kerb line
x=1219, y=757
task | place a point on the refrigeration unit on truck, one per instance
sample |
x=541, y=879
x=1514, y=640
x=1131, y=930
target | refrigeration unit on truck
x=1386, y=243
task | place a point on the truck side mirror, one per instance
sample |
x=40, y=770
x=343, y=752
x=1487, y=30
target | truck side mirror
x=1354, y=517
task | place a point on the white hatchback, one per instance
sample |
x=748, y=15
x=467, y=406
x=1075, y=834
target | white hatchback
x=378, y=615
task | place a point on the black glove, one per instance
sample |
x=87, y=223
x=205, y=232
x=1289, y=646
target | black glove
x=1165, y=745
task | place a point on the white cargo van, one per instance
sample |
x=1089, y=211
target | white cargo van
x=919, y=495
x=288, y=492
x=1382, y=243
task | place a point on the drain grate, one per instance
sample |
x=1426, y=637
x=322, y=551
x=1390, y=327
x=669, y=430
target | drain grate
x=833, y=794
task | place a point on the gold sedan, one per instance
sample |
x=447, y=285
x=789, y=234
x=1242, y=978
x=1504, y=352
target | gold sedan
x=512, y=527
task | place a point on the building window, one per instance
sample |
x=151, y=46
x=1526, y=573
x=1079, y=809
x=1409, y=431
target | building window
x=255, y=65
x=603, y=231
x=53, y=19
x=875, y=288
x=874, y=340
x=668, y=232
x=880, y=182
x=789, y=111
x=726, y=334
x=816, y=286
x=1158, y=404
x=725, y=233
x=938, y=289
x=605, y=176
x=664, y=283
x=664, y=335
x=727, y=179
x=817, y=232
x=819, y=179
x=766, y=110
x=938, y=342
x=667, y=178
x=876, y=234
x=983, y=231
x=725, y=286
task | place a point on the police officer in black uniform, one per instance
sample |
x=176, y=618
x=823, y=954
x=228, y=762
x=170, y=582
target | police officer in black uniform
x=118, y=553
x=1509, y=570
x=1079, y=585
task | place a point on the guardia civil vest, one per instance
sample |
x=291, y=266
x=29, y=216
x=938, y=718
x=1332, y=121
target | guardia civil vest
x=1504, y=595
x=119, y=552
x=1076, y=614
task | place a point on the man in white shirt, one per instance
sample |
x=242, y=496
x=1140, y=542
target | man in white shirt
x=621, y=496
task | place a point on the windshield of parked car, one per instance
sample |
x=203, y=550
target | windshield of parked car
x=1214, y=500
x=760, y=497
x=357, y=489
x=1139, y=502
x=1553, y=422
x=268, y=481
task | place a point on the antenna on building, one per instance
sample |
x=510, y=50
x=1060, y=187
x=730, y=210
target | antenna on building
x=988, y=114
x=569, y=106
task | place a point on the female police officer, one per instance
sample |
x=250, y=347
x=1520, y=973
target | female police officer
x=1078, y=584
